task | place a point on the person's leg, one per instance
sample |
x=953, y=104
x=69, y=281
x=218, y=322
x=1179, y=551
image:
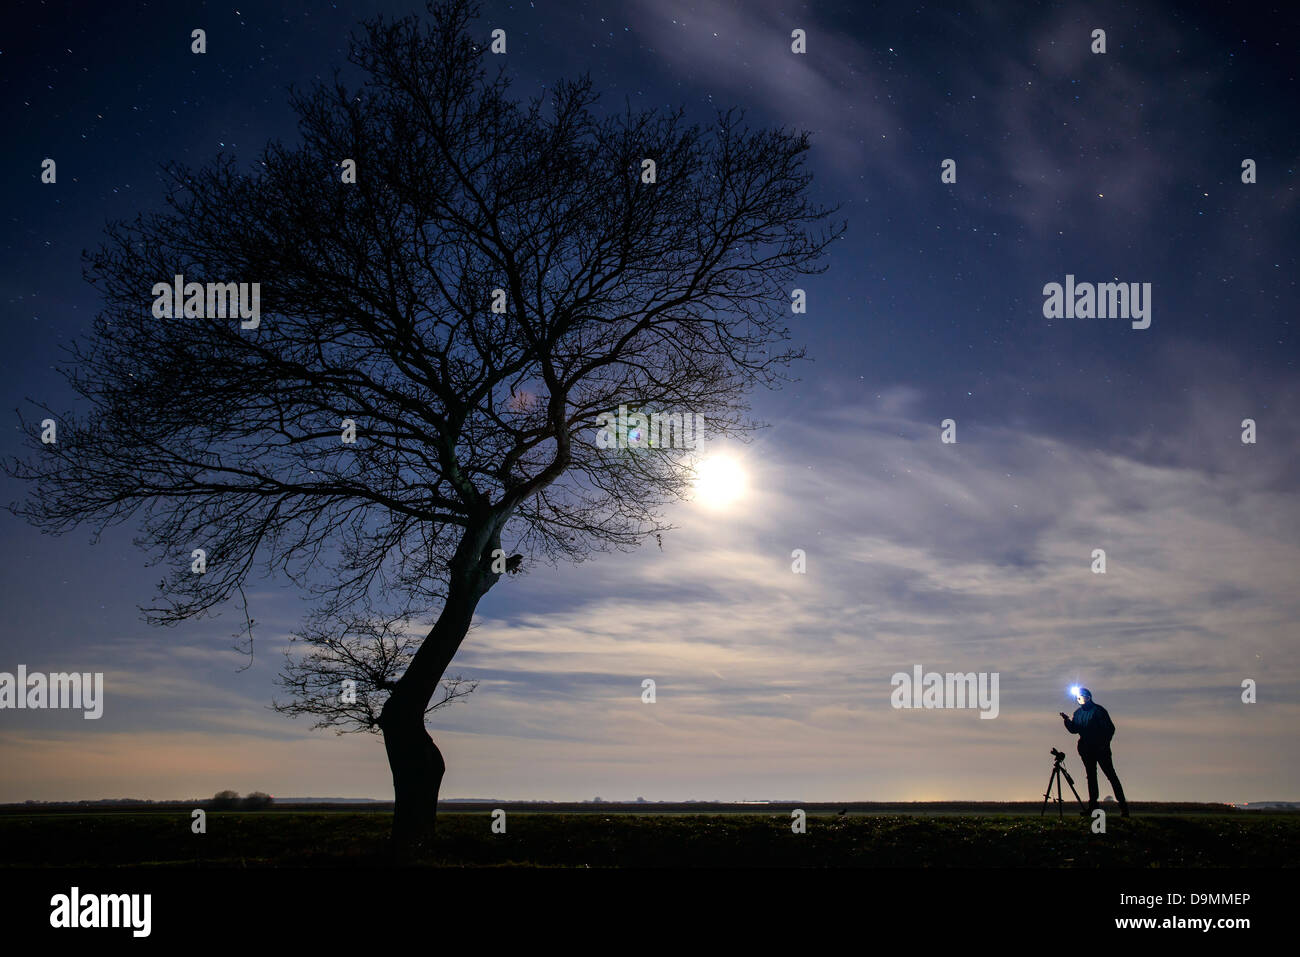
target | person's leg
x=1108, y=768
x=1090, y=769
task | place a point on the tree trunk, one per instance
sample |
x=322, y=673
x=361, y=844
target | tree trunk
x=414, y=759
x=417, y=767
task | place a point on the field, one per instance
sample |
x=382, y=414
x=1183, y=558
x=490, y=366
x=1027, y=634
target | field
x=938, y=836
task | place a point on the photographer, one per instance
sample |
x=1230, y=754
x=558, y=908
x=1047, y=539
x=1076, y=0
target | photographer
x=1091, y=722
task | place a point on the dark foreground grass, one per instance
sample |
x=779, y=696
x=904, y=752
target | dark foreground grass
x=271, y=839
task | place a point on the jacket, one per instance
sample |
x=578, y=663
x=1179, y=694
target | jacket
x=1092, y=724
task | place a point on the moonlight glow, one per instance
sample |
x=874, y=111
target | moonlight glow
x=720, y=481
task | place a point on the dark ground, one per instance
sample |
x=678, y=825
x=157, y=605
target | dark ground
x=925, y=835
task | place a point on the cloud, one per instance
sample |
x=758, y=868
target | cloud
x=745, y=51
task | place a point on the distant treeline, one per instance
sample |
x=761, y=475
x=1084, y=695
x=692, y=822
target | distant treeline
x=230, y=800
x=221, y=801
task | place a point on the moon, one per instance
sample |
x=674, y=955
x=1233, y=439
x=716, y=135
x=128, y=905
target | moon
x=720, y=482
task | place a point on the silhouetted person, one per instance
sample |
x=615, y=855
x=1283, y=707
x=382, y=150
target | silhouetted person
x=1091, y=722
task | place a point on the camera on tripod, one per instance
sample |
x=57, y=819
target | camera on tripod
x=1058, y=772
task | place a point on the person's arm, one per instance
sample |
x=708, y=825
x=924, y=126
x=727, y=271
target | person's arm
x=1069, y=725
x=1109, y=725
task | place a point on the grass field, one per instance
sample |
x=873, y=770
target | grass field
x=944, y=839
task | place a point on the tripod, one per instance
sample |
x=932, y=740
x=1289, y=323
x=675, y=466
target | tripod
x=1058, y=769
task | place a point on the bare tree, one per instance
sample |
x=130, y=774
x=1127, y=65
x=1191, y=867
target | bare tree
x=498, y=276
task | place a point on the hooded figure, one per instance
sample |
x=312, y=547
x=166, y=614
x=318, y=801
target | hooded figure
x=1091, y=722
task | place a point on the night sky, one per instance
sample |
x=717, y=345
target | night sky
x=1073, y=434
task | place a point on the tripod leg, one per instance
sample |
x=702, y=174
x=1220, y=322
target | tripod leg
x=1048, y=793
x=1075, y=790
x=1060, y=803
